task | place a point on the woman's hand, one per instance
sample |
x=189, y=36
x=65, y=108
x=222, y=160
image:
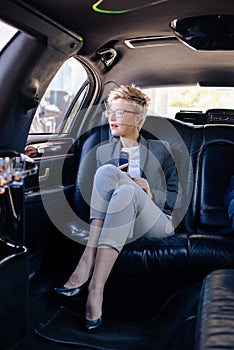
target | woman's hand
x=140, y=181
x=123, y=167
x=143, y=183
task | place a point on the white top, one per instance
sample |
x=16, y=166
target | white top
x=134, y=160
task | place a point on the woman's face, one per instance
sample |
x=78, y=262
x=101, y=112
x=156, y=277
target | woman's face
x=124, y=120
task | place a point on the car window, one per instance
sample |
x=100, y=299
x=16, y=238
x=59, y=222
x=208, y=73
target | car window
x=167, y=101
x=55, y=111
x=6, y=34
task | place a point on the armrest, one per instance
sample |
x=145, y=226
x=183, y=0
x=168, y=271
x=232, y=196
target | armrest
x=215, y=322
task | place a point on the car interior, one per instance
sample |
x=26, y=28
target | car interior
x=59, y=62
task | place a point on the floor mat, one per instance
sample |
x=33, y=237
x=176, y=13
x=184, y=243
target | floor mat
x=67, y=327
x=165, y=331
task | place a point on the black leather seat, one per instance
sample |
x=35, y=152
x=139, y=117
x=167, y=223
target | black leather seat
x=215, y=321
x=204, y=239
x=192, y=117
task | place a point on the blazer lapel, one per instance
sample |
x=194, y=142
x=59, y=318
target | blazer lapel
x=114, y=151
x=143, y=155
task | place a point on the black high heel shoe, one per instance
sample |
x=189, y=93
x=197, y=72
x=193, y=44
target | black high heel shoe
x=70, y=292
x=93, y=326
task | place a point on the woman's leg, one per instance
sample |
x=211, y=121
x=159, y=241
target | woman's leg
x=103, y=187
x=115, y=231
x=107, y=178
x=105, y=259
x=117, y=204
x=130, y=212
x=117, y=228
x=85, y=265
x=127, y=203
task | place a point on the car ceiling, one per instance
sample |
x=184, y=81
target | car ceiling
x=107, y=23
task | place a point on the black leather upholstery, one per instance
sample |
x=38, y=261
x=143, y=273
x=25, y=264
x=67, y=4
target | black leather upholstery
x=215, y=322
x=181, y=252
x=204, y=238
x=193, y=117
x=216, y=170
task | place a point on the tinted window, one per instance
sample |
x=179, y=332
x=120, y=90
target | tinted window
x=66, y=88
x=6, y=33
x=167, y=101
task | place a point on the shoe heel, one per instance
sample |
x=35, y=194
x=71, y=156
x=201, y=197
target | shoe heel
x=94, y=326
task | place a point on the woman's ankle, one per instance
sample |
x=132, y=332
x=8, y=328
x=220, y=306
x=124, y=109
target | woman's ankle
x=79, y=276
x=94, y=303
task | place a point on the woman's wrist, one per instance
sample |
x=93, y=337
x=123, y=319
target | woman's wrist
x=150, y=193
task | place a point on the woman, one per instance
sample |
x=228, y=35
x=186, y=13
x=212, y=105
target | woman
x=124, y=205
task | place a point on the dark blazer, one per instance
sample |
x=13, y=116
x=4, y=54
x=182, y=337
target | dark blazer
x=156, y=165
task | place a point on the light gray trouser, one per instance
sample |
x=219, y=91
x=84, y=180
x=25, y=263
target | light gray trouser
x=126, y=210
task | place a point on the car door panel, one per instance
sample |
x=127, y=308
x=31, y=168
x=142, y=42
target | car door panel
x=54, y=180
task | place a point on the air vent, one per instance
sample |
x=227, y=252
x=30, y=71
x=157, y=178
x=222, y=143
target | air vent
x=150, y=41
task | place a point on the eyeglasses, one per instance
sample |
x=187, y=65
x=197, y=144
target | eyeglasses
x=119, y=113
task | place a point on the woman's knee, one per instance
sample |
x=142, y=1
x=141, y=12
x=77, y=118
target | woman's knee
x=106, y=171
x=123, y=197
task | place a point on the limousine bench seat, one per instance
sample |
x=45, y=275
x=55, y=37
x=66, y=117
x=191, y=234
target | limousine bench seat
x=204, y=239
x=181, y=252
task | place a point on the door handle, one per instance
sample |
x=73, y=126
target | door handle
x=45, y=176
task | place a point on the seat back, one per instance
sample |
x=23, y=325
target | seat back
x=216, y=166
x=184, y=142
x=192, y=117
x=203, y=156
x=86, y=151
x=177, y=134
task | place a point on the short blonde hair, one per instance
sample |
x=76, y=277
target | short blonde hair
x=134, y=95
